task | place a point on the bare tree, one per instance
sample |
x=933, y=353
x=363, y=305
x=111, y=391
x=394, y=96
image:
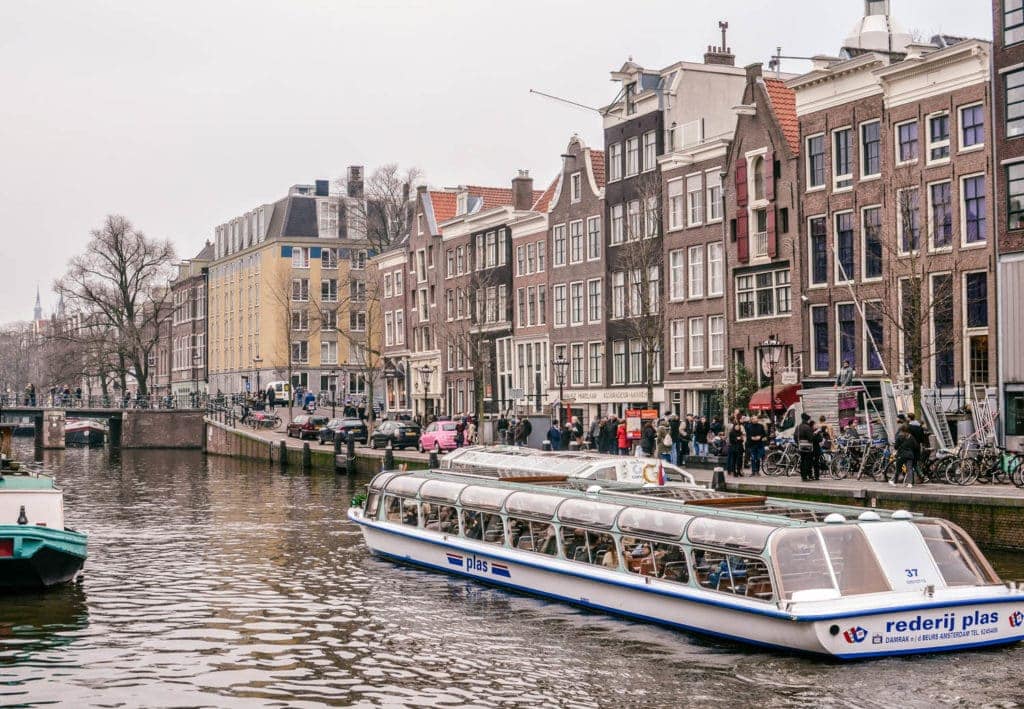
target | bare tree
x=295, y=311
x=385, y=213
x=119, y=285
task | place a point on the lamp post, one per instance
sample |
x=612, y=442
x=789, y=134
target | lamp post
x=560, y=364
x=333, y=377
x=256, y=362
x=771, y=353
x=426, y=374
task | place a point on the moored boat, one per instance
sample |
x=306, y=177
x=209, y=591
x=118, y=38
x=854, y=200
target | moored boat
x=36, y=550
x=822, y=579
x=84, y=432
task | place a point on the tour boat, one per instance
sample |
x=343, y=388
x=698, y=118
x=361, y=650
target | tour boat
x=84, y=432
x=839, y=581
x=36, y=550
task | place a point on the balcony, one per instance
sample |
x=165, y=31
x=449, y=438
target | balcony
x=759, y=247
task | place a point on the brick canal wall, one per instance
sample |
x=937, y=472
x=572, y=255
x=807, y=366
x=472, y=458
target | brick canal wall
x=162, y=428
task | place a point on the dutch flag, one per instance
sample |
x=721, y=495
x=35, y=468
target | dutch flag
x=455, y=559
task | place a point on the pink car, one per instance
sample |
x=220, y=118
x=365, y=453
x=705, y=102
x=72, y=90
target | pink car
x=438, y=436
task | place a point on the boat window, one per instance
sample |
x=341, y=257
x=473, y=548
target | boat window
x=606, y=473
x=746, y=536
x=530, y=535
x=380, y=480
x=800, y=562
x=662, y=524
x=441, y=490
x=533, y=504
x=960, y=563
x=589, y=546
x=407, y=485
x=440, y=518
x=854, y=563
x=745, y=576
x=393, y=508
x=588, y=513
x=494, y=528
x=651, y=557
x=372, y=501
x=410, y=512
x=489, y=498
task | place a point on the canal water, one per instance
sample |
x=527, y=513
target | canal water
x=215, y=582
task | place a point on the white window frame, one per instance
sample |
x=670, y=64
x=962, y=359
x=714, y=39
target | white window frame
x=699, y=362
x=614, y=162
x=575, y=187
x=814, y=352
x=899, y=220
x=300, y=257
x=694, y=200
x=649, y=161
x=947, y=143
x=632, y=147
x=932, y=248
x=677, y=275
x=578, y=237
x=600, y=301
x=593, y=244
x=713, y=362
x=561, y=319
x=573, y=321
x=864, y=242
x=960, y=128
x=807, y=162
x=836, y=273
x=676, y=195
x=598, y=348
x=719, y=248
x=617, y=216
x=678, y=334
x=695, y=271
x=712, y=204
x=861, y=144
x=964, y=244
x=837, y=340
x=560, y=232
x=896, y=142
x=844, y=182
x=866, y=338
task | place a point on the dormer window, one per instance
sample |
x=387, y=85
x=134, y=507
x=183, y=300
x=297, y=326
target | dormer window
x=757, y=168
x=462, y=203
x=630, y=99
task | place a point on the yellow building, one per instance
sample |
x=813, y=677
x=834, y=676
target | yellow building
x=288, y=295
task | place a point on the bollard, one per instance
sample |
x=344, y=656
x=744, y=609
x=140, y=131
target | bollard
x=546, y=445
x=434, y=462
x=718, y=479
x=307, y=458
x=389, y=457
x=350, y=456
x=337, y=444
x=283, y=455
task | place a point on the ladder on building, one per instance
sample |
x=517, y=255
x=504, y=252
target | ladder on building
x=936, y=418
x=983, y=414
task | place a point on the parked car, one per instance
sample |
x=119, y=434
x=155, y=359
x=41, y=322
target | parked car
x=439, y=436
x=306, y=426
x=344, y=429
x=401, y=434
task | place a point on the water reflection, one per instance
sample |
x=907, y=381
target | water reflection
x=218, y=582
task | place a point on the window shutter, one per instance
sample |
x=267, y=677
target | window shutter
x=769, y=176
x=742, y=237
x=741, y=183
x=770, y=222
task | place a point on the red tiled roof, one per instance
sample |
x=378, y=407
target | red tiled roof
x=597, y=161
x=783, y=101
x=444, y=205
x=492, y=196
x=446, y=202
x=544, y=201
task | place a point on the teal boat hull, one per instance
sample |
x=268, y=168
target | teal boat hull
x=35, y=558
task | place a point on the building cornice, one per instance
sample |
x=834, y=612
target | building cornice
x=465, y=224
x=709, y=150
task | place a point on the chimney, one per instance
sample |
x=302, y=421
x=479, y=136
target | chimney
x=405, y=192
x=754, y=71
x=522, y=191
x=355, y=181
x=720, y=55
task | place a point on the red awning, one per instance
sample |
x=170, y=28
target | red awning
x=785, y=396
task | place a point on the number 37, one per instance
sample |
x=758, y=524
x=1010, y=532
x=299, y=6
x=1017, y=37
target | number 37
x=911, y=573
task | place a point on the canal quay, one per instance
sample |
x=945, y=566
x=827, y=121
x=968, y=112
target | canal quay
x=215, y=581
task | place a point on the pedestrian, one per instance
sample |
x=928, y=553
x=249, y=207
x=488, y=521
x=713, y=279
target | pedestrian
x=621, y=438
x=677, y=437
x=648, y=438
x=577, y=432
x=756, y=437
x=700, y=436
x=594, y=435
x=460, y=432
x=716, y=426
x=734, y=453
x=523, y=430
x=470, y=431
x=804, y=437
x=555, y=435
x=919, y=432
x=502, y=429
x=665, y=443
x=845, y=375
x=908, y=451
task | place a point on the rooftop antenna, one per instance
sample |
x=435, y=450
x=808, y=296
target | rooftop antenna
x=775, y=63
x=565, y=100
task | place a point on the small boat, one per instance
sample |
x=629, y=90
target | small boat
x=84, y=432
x=36, y=550
x=842, y=582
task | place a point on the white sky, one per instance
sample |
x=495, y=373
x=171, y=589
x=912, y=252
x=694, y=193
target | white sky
x=182, y=114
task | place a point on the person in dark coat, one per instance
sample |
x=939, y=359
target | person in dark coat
x=555, y=436
x=908, y=451
x=804, y=437
x=523, y=430
x=700, y=436
x=677, y=438
x=735, y=441
x=647, y=438
x=608, y=431
x=503, y=429
x=756, y=437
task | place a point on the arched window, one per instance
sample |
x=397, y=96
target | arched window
x=757, y=169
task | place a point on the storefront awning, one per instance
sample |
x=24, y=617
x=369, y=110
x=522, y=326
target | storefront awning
x=785, y=396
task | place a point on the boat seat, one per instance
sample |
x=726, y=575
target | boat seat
x=525, y=542
x=674, y=571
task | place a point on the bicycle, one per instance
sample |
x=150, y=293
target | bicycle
x=264, y=420
x=781, y=460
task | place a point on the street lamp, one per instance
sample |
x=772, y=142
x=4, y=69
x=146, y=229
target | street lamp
x=560, y=364
x=426, y=374
x=256, y=362
x=333, y=377
x=771, y=353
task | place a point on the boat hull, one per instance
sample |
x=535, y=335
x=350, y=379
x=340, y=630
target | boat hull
x=35, y=558
x=845, y=635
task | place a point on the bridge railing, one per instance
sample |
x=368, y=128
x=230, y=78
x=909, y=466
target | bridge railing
x=223, y=412
x=194, y=400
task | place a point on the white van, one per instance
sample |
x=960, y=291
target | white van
x=282, y=391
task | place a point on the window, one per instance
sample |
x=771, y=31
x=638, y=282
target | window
x=757, y=173
x=521, y=261
x=633, y=232
x=328, y=353
x=300, y=289
x=531, y=258
x=846, y=331
x=871, y=149
x=678, y=344
x=695, y=200
x=388, y=287
x=842, y=158
x=560, y=303
x=300, y=352
x=636, y=305
x=389, y=329
x=576, y=242
x=652, y=217
x=696, y=343
x=906, y=142
x=977, y=353
x=816, y=161
x=632, y=156
x=976, y=299
x=636, y=362
x=972, y=126
x=619, y=294
x=696, y=259
x=593, y=238
x=596, y=362
x=575, y=187
x=576, y=364
x=763, y=295
x=558, y=245
x=594, y=300
x=619, y=362
x=399, y=327
x=329, y=258
x=359, y=259
x=653, y=289
x=908, y=219
x=329, y=290
x=542, y=317
x=818, y=237
x=713, y=188
x=329, y=320
x=676, y=274
x=819, y=339
x=844, y=247
x=1013, y=21
x=617, y=224
x=531, y=306
x=871, y=223
x=939, y=195
x=540, y=256
x=576, y=303
x=716, y=269
x=328, y=219
x=300, y=257
x=938, y=137
x=942, y=330
x=615, y=162
x=492, y=249
x=650, y=150
x=1015, y=195
x=300, y=320
x=716, y=336
x=973, y=195
x=874, y=340
x=675, y=204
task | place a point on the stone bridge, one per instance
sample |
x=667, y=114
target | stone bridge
x=129, y=428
